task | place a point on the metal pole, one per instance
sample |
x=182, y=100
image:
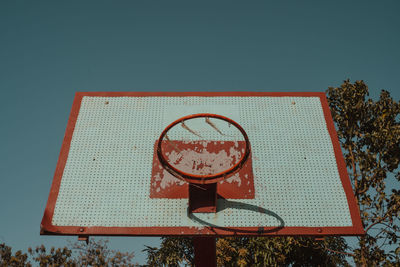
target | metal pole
x=205, y=253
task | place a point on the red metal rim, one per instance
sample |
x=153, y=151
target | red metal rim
x=203, y=179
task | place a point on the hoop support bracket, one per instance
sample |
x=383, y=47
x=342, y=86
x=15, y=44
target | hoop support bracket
x=203, y=198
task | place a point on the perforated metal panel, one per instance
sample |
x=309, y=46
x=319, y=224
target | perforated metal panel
x=107, y=173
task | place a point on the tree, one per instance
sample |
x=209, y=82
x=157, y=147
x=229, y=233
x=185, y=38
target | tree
x=280, y=251
x=56, y=257
x=98, y=254
x=172, y=252
x=7, y=258
x=259, y=251
x=369, y=133
x=95, y=253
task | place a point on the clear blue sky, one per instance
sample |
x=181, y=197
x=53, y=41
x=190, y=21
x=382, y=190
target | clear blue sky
x=51, y=49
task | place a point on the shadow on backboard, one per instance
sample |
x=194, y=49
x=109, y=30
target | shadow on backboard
x=224, y=204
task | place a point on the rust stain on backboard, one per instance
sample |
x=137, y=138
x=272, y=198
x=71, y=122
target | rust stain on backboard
x=220, y=154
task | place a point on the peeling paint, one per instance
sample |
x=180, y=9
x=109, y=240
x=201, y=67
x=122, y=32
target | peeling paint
x=202, y=162
x=234, y=178
x=168, y=180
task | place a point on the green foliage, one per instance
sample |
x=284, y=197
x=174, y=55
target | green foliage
x=96, y=253
x=261, y=251
x=173, y=251
x=7, y=258
x=369, y=133
x=55, y=257
x=281, y=251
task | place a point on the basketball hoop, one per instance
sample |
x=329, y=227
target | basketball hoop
x=202, y=178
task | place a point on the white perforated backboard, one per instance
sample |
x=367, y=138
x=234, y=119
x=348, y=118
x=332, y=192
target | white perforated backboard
x=102, y=180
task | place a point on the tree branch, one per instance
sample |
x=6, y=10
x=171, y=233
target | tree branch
x=355, y=175
x=337, y=252
x=378, y=221
x=341, y=252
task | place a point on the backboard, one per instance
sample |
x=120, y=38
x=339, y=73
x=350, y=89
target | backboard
x=108, y=180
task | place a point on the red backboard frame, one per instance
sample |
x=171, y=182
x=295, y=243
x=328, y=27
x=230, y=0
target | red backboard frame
x=47, y=228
